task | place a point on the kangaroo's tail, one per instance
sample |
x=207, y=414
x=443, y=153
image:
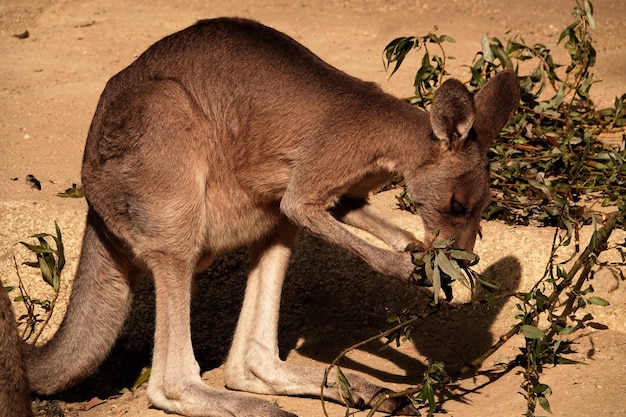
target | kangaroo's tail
x=101, y=298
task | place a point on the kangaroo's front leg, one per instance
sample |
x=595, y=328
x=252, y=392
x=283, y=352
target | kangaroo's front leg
x=175, y=384
x=360, y=214
x=317, y=219
x=254, y=364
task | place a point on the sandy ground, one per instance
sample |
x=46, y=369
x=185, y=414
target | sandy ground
x=50, y=83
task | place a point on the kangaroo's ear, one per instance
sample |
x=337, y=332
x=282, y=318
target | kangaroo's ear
x=495, y=104
x=452, y=113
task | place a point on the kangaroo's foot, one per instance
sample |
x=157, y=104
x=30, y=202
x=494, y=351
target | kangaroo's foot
x=253, y=363
x=280, y=378
x=193, y=398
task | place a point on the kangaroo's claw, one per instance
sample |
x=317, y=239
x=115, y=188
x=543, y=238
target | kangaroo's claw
x=400, y=406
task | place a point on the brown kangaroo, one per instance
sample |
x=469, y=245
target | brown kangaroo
x=230, y=134
x=14, y=391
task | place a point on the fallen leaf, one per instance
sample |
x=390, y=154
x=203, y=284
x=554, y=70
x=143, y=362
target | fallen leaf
x=23, y=35
x=94, y=402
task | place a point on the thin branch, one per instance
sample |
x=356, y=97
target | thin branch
x=45, y=322
x=356, y=346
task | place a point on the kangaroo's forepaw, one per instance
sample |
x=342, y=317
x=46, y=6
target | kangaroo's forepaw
x=368, y=395
x=415, y=246
x=400, y=406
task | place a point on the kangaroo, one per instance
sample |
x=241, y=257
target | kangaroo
x=14, y=390
x=231, y=134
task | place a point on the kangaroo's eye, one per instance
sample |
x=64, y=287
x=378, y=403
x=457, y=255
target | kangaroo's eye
x=457, y=208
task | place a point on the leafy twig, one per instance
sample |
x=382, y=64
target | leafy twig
x=550, y=155
x=50, y=262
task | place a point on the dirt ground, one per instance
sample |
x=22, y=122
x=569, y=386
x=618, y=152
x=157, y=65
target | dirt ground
x=50, y=82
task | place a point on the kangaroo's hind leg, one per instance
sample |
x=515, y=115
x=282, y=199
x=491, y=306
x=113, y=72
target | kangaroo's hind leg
x=254, y=364
x=148, y=172
x=175, y=383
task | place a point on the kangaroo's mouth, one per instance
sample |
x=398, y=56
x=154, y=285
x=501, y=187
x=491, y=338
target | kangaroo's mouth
x=441, y=264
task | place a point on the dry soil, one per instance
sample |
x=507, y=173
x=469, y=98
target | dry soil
x=50, y=82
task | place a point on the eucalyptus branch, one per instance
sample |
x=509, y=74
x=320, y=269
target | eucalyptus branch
x=585, y=261
x=30, y=315
x=50, y=262
x=47, y=318
x=593, y=249
x=548, y=159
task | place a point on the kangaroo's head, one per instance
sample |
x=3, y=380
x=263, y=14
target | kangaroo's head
x=452, y=192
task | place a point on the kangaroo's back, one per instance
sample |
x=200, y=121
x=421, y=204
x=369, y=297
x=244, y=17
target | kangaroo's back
x=212, y=54
x=244, y=75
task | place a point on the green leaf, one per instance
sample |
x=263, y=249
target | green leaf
x=568, y=31
x=46, y=272
x=41, y=235
x=145, y=375
x=425, y=74
x=544, y=403
x=488, y=282
x=486, y=49
x=344, y=388
x=440, y=243
x=532, y=332
x=598, y=301
x=542, y=389
x=428, y=266
x=73, y=192
x=60, y=248
x=504, y=58
x=463, y=255
x=436, y=280
x=589, y=15
x=427, y=394
x=37, y=249
x=396, y=51
x=444, y=263
x=567, y=330
x=566, y=361
x=446, y=38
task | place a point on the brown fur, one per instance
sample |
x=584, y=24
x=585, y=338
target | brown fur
x=230, y=134
x=14, y=390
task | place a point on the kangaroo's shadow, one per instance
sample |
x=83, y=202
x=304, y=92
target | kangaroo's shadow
x=457, y=336
x=331, y=300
